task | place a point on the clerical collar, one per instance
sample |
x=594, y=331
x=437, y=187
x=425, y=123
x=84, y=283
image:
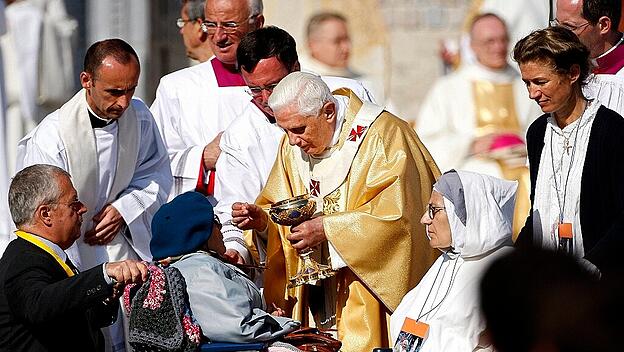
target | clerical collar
x=96, y=121
x=611, y=61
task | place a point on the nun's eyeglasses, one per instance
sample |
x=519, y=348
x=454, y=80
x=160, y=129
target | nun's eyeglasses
x=432, y=210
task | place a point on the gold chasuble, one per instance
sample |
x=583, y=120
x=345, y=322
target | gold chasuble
x=495, y=111
x=372, y=221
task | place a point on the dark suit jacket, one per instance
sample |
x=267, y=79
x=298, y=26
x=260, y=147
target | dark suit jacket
x=41, y=309
x=602, y=189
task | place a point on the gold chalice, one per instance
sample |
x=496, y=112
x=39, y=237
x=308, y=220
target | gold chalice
x=292, y=212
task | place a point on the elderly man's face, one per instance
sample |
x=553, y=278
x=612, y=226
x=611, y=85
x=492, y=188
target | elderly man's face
x=230, y=21
x=331, y=43
x=312, y=134
x=261, y=81
x=489, y=41
x=66, y=214
x=111, y=87
x=570, y=15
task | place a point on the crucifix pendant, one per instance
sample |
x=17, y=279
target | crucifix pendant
x=567, y=146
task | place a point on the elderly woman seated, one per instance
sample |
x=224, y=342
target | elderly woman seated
x=225, y=302
x=469, y=219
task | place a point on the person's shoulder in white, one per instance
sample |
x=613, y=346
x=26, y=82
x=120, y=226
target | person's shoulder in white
x=185, y=78
x=356, y=86
x=46, y=135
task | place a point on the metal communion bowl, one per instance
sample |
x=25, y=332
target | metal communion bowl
x=293, y=211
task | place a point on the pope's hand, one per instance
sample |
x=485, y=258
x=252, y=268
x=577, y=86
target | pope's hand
x=249, y=217
x=106, y=225
x=308, y=234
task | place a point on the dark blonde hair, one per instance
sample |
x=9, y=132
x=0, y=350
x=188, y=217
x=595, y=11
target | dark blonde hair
x=555, y=46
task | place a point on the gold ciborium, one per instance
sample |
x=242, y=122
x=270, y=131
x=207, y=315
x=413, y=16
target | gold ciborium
x=292, y=212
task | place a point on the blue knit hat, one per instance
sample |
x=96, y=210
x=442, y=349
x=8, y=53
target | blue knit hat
x=181, y=226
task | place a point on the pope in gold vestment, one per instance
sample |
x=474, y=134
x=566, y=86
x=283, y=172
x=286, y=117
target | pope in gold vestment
x=371, y=219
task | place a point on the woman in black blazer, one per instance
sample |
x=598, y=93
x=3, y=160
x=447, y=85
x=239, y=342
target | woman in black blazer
x=576, y=155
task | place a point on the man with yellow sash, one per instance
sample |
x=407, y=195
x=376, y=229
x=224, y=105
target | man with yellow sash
x=109, y=142
x=370, y=175
x=45, y=304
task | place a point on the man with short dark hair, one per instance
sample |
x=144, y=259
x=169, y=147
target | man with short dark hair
x=194, y=38
x=249, y=145
x=188, y=104
x=110, y=145
x=595, y=22
x=42, y=296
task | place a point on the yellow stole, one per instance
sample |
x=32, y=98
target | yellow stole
x=34, y=240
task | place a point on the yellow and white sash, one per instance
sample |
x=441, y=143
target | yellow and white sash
x=34, y=240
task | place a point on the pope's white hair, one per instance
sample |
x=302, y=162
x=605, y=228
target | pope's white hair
x=304, y=91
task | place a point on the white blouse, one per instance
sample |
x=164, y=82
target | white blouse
x=558, y=185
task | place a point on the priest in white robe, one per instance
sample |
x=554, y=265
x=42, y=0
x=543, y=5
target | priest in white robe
x=476, y=117
x=249, y=145
x=599, y=32
x=110, y=145
x=190, y=103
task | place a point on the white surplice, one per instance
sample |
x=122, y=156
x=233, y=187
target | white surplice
x=607, y=88
x=191, y=109
x=447, y=121
x=101, y=176
x=248, y=150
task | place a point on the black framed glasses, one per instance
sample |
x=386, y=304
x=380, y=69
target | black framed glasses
x=573, y=28
x=229, y=27
x=432, y=210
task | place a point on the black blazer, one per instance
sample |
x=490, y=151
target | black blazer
x=602, y=189
x=41, y=309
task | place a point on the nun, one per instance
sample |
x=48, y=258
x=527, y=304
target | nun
x=469, y=219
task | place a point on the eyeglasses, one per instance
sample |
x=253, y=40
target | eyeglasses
x=432, y=210
x=257, y=91
x=180, y=22
x=573, y=28
x=229, y=27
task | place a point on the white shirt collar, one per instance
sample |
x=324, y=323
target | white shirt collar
x=612, y=48
x=53, y=246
